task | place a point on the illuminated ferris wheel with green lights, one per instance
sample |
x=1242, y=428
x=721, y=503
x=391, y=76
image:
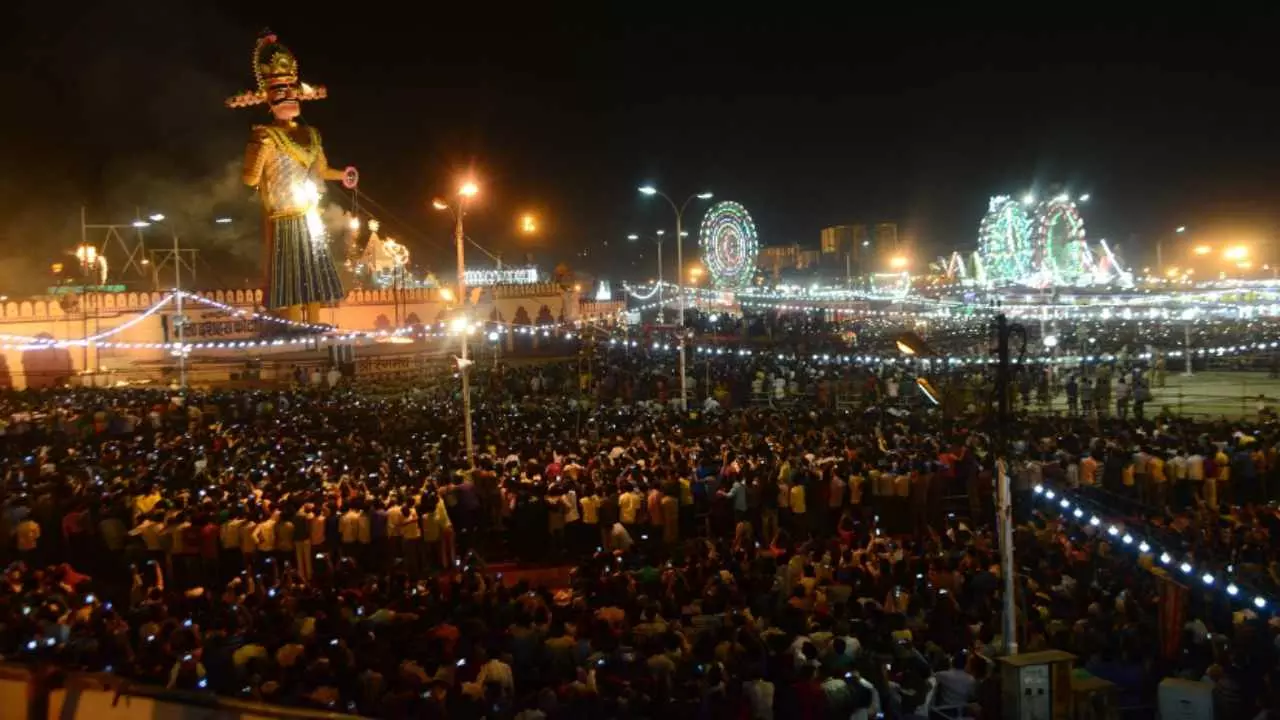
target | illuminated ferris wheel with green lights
x=1041, y=243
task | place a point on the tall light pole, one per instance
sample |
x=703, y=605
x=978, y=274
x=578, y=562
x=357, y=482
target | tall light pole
x=180, y=322
x=657, y=239
x=1004, y=332
x=679, y=211
x=459, y=208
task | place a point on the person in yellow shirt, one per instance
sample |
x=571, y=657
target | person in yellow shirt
x=1159, y=481
x=1223, y=489
x=1088, y=470
x=798, y=517
x=686, y=506
x=437, y=532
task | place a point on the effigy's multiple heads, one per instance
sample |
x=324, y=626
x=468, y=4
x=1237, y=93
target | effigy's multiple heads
x=276, y=70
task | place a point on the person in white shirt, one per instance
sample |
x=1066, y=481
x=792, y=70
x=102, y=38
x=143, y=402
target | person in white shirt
x=349, y=531
x=871, y=711
x=318, y=543
x=151, y=530
x=302, y=542
x=572, y=520
x=411, y=532
x=1176, y=469
x=619, y=538
x=759, y=695
x=1195, y=474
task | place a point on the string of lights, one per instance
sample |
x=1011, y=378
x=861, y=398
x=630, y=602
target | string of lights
x=1067, y=505
x=263, y=317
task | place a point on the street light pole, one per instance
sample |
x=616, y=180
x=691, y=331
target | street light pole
x=657, y=240
x=1004, y=491
x=661, y=309
x=179, y=321
x=182, y=322
x=459, y=237
x=462, y=302
x=679, y=211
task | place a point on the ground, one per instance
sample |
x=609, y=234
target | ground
x=1213, y=393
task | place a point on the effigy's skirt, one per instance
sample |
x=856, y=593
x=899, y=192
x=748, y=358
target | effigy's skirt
x=301, y=267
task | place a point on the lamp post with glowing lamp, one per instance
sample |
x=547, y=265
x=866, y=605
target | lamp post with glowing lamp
x=912, y=345
x=679, y=211
x=459, y=209
x=657, y=239
x=180, y=321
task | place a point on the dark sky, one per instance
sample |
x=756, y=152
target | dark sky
x=807, y=120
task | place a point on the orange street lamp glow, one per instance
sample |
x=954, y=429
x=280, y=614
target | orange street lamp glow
x=528, y=224
x=1203, y=250
x=897, y=262
x=1238, y=252
x=468, y=189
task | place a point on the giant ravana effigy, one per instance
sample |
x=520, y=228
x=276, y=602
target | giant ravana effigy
x=285, y=161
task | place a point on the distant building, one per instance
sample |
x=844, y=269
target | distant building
x=806, y=259
x=837, y=239
x=847, y=250
x=886, y=238
x=773, y=259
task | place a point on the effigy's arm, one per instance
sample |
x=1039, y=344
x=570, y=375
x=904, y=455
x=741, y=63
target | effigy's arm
x=324, y=172
x=255, y=157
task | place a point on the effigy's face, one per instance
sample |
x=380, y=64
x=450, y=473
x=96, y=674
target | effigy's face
x=283, y=99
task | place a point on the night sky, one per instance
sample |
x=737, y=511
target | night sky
x=807, y=120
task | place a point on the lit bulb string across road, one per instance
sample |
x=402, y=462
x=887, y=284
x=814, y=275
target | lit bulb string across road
x=757, y=298
x=326, y=333
x=1114, y=309
x=1071, y=508
x=322, y=333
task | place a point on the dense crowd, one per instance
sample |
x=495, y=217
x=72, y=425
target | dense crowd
x=333, y=548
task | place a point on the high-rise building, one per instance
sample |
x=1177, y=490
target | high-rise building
x=837, y=239
x=861, y=240
x=886, y=238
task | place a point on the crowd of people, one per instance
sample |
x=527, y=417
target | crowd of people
x=334, y=548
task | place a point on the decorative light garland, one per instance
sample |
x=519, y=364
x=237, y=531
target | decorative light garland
x=1074, y=511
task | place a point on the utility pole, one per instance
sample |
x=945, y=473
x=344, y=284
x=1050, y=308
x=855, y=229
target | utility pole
x=1186, y=343
x=181, y=320
x=1004, y=493
x=679, y=211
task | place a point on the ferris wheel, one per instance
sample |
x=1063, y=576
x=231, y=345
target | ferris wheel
x=729, y=244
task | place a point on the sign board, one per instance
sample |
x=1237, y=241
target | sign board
x=210, y=326
x=506, y=276
x=393, y=366
x=69, y=289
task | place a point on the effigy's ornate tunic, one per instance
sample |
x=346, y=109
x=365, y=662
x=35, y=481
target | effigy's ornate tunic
x=300, y=267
